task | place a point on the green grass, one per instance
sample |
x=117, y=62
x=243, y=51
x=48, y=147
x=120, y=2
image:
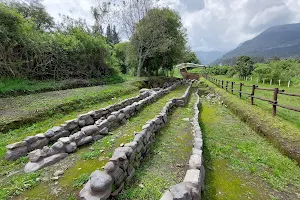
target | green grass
x=285, y=135
x=16, y=111
x=240, y=164
x=166, y=163
x=91, y=158
x=19, y=86
x=288, y=115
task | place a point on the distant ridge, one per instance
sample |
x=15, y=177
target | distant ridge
x=282, y=41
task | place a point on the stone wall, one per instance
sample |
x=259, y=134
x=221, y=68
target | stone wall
x=193, y=183
x=30, y=143
x=126, y=159
x=90, y=129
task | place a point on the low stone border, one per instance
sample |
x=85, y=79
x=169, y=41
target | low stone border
x=30, y=143
x=193, y=182
x=46, y=156
x=121, y=167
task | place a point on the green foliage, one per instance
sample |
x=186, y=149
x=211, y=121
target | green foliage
x=79, y=181
x=283, y=70
x=244, y=66
x=71, y=52
x=190, y=57
x=126, y=55
x=217, y=70
x=159, y=41
x=36, y=12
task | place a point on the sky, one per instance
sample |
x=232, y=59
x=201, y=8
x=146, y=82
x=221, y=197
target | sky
x=212, y=25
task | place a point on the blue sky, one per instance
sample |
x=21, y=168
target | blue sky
x=211, y=24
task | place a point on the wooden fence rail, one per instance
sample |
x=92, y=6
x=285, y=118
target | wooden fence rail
x=229, y=86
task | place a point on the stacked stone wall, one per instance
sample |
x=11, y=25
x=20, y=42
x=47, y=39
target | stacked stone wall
x=88, y=128
x=193, y=183
x=126, y=159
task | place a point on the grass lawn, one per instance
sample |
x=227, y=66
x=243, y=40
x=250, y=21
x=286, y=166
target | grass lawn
x=239, y=163
x=15, y=111
x=14, y=86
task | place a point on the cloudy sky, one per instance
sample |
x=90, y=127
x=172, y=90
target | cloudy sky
x=212, y=25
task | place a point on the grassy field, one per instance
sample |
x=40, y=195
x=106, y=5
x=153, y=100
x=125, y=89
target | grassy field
x=13, y=87
x=167, y=161
x=15, y=111
x=79, y=165
x=239, y=163
x=288, y=115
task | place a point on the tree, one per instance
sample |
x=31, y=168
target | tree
x=244, y=66
x=109, y=33
x=115, y=36
x=35, y=11
x=190, y=57
x=159, y=40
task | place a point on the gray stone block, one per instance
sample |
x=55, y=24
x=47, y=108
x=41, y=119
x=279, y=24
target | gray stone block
x=87, y=194
x=34, y=166
x=16, y=152
x=100, y=181
x=181, y=192
x=195, y=161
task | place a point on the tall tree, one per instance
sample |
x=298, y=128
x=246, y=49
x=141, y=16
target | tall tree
x=36, y=11
x=115, y=36
x=159, y=39
x=109, y=33
x=244, y=66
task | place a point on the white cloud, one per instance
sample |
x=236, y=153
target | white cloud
x=211, y=24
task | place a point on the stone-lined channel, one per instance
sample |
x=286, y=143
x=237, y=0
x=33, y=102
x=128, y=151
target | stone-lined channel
x=77, y=166
x=167, y=161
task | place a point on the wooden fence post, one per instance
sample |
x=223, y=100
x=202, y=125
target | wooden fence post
x=252, y=94
x=241, y=85
x=226, y=86
x=222, y=84
x=275, y=100
x=232, y=87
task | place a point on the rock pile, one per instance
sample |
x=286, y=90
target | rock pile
x=193, y=182
x=125, y=160
x=68, y=143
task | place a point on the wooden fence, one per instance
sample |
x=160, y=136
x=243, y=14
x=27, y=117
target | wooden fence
x=229, y=86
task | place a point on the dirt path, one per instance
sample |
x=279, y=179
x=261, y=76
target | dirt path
x=167, y=162
x=239, y=163
x=80, y=165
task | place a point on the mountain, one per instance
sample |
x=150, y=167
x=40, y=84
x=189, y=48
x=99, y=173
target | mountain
x=282, y=41
x=208, y=57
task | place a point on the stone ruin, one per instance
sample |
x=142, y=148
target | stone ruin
x=193, y=182
x=126, y=159
x=85, y=129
